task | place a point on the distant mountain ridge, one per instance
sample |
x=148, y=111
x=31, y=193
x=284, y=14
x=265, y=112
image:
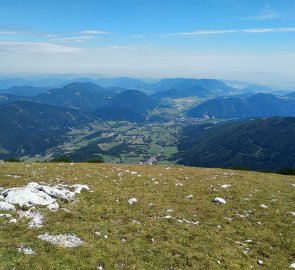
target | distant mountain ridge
x=194, y=91
x=258, y=105
x=186, y=83
x=25, y=91
x=86, y=96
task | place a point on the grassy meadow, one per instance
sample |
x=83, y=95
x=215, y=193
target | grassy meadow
x=160, y=231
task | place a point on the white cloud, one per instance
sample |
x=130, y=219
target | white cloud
x=268, y=13
x=231, y=31
x=94, y=32
x=35, y=47
x=77, y=39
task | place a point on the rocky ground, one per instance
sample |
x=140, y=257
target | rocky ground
x=103, y=216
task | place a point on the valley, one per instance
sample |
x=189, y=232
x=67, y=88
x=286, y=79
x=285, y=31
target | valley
x=196, y=122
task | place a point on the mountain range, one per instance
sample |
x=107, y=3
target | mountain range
x=34, y=120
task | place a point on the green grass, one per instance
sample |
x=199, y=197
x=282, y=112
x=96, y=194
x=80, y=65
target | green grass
x=156, y=243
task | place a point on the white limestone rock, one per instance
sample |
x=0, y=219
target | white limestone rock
x=132, y=201
x=5, y=206
x=63, y=240
x=27, y=196
x=218, y=200
x=226, y=186
x=37, y=194
x=5, y=215
x=78, y=188
x=26, y=250
x=53, y=207
x=36, y=218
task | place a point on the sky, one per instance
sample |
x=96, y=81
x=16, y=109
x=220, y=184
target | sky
x=246, y=40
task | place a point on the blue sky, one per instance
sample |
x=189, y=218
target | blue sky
x=229, y=39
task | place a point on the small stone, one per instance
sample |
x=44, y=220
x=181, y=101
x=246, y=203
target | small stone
x=123, y=240
x=292, y=265
x=219, y=200
x=132, y=201
x=26, y=250
x=263, y=206
x=260, y=262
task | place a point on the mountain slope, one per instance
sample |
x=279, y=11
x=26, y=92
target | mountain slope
x=263, y=144
x=259, y=105
x=30, y=128
x=85, y=96
x=119, y=114
x=9, y=98
x=131, y=105
x=134, y=100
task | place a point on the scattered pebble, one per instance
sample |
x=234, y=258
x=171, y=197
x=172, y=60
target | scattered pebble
x=263, y=206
